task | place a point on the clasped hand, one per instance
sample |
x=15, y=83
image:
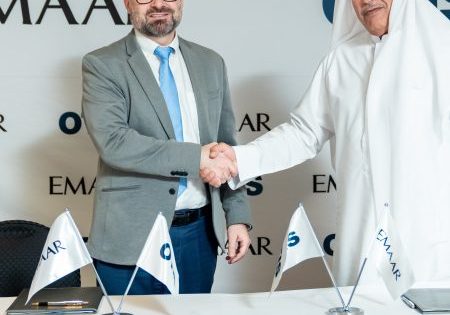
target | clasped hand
x=217, y=164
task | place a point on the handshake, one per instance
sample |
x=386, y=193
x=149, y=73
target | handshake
x=217, y=164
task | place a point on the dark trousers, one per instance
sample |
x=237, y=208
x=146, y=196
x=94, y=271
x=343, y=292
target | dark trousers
x=195, y=248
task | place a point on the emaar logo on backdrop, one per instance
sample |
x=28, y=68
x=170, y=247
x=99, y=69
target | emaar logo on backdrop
x=442, y=5
x=64, y=185
x=2, y=119
x=46, y=7
x=256, y=122
x=323, y=184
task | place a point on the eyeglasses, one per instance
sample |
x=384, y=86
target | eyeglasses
x=148, y=1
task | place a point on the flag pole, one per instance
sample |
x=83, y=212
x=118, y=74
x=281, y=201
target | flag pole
x=104, y=291
x=334, y=281
x=119, y=308
x=96, y=274
x=325, y=261
x=344, y=310
x=347, y=308
x=386, y=205
x=356, y=284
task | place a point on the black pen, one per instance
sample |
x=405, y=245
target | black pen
x=60, y=303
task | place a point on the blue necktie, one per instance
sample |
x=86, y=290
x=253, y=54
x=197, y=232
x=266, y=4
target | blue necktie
x=170, y=93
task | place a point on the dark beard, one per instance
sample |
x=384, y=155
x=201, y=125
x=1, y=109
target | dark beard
x=158, y=28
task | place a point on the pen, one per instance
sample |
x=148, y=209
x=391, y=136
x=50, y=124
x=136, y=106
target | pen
x=60, y=303
x=408, y=302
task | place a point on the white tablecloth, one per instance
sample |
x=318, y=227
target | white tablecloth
x=374, y=300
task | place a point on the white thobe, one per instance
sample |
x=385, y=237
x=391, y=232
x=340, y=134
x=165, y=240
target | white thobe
x=382, y=156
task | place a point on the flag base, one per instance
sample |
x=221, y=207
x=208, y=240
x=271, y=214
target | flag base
x=345, y=311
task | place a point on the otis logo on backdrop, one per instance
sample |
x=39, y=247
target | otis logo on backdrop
x=442, y=5
x=70, y=123
x=62, y=7
x=327, y=244
x=2, y=128
x=255, y=188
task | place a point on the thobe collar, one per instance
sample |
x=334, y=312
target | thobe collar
x=378, y=39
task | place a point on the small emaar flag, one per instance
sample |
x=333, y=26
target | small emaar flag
x=390, y=258
x=299, y=244
x=64, y=252
x=157, y=257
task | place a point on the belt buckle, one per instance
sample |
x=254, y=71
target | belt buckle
x=186, y=218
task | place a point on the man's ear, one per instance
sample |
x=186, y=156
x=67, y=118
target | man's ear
x=127, y=4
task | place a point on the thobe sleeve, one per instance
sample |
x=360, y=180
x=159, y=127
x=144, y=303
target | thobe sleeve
x=290, y=143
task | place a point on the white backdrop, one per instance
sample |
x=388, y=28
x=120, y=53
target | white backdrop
x=48, y=163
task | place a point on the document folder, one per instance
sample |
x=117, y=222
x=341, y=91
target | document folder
x=51, y=297
x=428, y=301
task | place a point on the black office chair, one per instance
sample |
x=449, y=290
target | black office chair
x=21, y=244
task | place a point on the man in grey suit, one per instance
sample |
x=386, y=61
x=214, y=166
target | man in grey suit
x=152, y=103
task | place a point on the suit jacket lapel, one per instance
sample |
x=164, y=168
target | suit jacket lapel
x=144, y=75
x=194, y=65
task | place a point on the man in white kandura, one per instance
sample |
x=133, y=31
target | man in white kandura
x=382, y=98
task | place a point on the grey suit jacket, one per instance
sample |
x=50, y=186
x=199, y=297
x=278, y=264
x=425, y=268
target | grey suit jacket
x=140, y=162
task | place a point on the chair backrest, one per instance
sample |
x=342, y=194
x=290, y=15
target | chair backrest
x=21, y=244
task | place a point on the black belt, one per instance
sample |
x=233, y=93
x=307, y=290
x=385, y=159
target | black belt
x=188, y=216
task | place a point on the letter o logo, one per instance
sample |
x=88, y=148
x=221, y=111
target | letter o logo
x=165, y=251
x=327, y=244
x=67, y=128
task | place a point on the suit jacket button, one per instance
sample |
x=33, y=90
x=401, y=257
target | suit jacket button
x=172, y=191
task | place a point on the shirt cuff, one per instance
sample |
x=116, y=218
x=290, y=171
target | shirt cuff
x=247, y=157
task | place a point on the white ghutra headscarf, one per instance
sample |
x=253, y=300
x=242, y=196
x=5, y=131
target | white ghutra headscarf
x=421, y=35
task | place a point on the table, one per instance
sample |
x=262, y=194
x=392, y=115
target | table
x=373, y=299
